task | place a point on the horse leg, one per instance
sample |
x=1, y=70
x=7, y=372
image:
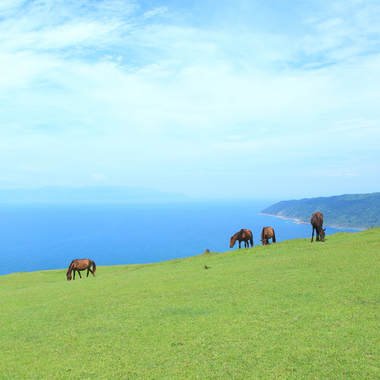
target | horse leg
x=79, y=274
x=312, y=233
x=239, y=244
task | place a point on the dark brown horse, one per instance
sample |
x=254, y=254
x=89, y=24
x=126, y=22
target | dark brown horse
x=317, y=223
x=266, y=234
x=79, y=265
x=243, y=235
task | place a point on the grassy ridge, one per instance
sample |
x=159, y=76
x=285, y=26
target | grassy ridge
x=291, y=310
x=352, y=210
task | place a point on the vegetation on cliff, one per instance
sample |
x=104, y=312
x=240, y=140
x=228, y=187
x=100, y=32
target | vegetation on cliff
x=353, y=210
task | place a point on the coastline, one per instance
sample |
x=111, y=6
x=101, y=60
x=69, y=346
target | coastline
x=299, y=221
x=294, y=220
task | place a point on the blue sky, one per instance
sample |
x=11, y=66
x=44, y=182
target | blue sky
x=243, y=99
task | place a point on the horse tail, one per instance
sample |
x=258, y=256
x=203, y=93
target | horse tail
x=262, y=233
x=251, y=239
x=274, y=236
x=93, y=267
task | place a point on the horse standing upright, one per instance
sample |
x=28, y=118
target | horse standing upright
x=266, y=234
x=243, y=235
x=317, y=223
x=79, y=265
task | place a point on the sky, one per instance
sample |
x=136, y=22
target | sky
x=266, y=99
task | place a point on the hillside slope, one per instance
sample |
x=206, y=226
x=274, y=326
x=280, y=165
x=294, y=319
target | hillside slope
x=355, y=210
x=290, y=310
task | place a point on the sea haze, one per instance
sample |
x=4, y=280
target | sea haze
x=43, y=236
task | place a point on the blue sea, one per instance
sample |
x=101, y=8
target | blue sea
x=43, y=236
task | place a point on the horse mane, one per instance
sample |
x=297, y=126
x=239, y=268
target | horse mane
x=70, y=268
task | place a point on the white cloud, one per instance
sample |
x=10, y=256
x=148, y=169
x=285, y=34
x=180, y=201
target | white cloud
x=98, y=177
x=344, y=31
x=155, y=12
x=344, y=175
x=8, y=7
x=114, y=87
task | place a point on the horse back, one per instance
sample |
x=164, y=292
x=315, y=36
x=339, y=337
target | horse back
x=317, y=219
x=81, y=264
x=246, y=233
x=267, y=233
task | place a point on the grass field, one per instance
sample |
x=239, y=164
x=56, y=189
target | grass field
x=291, y=310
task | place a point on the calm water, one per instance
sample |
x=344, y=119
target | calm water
x=48, y=236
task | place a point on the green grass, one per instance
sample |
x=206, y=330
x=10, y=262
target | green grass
x=291, y=310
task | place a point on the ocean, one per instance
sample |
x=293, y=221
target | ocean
x=44, y=236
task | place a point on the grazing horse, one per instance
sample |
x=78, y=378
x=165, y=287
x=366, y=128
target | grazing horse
x=242, y=235
x=266, y=234
x=79, y=265
x=317, y=223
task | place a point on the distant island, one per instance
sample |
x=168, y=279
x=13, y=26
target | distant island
x=86, y=194
x=349, y=211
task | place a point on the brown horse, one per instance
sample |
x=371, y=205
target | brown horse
x=242, y=235
x=266, y=234
x=79, y=265
x=317, y=223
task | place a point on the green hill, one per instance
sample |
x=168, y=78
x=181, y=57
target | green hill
x=290, y=310
x=355, y=210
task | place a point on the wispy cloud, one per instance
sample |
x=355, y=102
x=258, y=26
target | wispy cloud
x=344, y=175
x=144, y=92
